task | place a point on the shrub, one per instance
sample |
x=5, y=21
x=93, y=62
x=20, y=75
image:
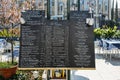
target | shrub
x=106, y=32
x=117, y=35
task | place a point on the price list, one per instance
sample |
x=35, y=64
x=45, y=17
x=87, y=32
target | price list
x=81, y=45
x=56, y=43
x=32, y=43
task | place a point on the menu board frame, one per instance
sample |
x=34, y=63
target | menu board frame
x=45, y=22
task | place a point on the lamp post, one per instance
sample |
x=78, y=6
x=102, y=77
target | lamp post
x=78, y=5
x=68, y=9
x=97, y=14
x=48, y=9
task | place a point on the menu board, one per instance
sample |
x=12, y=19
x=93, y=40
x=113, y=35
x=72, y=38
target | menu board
x=81, y=45
x=32, y=42
x=56, y=43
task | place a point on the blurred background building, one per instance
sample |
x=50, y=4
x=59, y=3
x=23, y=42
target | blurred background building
x=58, y=9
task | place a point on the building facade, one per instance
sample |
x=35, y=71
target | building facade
x=58, y=8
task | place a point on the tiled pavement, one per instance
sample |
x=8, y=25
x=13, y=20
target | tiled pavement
x=105, y=70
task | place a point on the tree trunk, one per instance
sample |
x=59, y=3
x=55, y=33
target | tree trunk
x=12, y=45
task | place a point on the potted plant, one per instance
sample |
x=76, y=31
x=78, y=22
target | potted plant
x=9, y=19
x=7, y=69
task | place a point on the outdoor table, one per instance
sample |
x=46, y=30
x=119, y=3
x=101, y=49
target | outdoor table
x=111, y=45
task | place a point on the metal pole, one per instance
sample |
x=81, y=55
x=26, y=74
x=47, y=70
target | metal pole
x=12, y=45
x=78, y=5
x=68, y=9
x=68, y=71
x=109, y=9
x=102, y=6
x=48, y=9
x=97, y=15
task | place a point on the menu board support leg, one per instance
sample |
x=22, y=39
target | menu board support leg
x=68, y=75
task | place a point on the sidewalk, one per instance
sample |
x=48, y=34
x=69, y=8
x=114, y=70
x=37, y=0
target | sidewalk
x=105, y=70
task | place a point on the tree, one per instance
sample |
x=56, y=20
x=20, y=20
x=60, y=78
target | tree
x=10, y=16
x=112, y=11
x=116, y=12
x=10, y=13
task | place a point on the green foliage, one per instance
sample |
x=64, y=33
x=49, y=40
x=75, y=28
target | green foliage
x=106, y=32
x=117, y=35
x=1, y=77
x=97, y=32
x=24, y=75
x=14, y=77
x=7, y=64
x=4, y=33
x=110, y=23
x=7, y=33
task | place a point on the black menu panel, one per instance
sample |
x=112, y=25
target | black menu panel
x=81, y=45
x=32, y=43
x=56, y=43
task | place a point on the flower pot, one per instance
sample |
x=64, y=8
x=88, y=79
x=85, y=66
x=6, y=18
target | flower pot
x=8, y=72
